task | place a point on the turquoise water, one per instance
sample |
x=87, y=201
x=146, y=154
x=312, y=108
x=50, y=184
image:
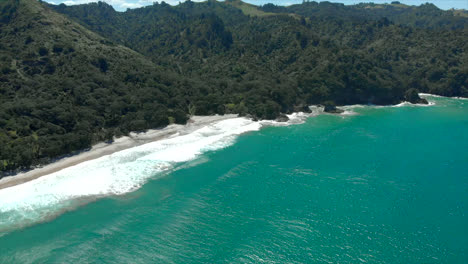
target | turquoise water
x=387, y=185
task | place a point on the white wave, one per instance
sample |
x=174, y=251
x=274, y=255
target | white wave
x=114, y=174
x=127, y=170
x=402, y=104
x=440, y=96
x=430, y=103
x=428, y=94
x=348, y=113
x=295, y=118
x=352, y=107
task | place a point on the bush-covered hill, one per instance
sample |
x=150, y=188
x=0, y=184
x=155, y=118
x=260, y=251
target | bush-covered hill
x=286, y=57
x=69, y=80
x=424, y=16
x=63, y=87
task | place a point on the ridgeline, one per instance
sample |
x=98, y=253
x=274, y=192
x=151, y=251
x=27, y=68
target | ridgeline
x=72, y=76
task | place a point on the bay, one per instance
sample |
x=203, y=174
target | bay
x=381, y=185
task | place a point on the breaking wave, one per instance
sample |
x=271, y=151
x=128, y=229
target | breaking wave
x=115, y=174
x=125, y=171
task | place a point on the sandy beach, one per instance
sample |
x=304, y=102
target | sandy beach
x=137, y=139
x=102, y=149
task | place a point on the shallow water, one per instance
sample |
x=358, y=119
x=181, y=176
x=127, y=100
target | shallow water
x=378, y=185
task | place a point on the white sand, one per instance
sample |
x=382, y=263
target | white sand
x=102, y=149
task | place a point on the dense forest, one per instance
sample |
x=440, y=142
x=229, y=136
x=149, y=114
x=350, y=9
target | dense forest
x=425, y=16
x=72, y=76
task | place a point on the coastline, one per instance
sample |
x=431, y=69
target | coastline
x=119, y=144
x=137, y=139
x=117, y=168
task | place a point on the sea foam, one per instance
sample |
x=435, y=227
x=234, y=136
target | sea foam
x=126, y=170
x=295, y=118
x=115, y=174
x=440, y=96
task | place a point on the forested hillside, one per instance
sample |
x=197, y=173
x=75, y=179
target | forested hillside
x=72, y=79
x=354, y=56
x=63, y=87
x=424, y=16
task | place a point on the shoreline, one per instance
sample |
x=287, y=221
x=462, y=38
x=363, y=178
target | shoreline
x=119, y=144
x=137, y=139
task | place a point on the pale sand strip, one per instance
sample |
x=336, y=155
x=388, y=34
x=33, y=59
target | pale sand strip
x=102, y=149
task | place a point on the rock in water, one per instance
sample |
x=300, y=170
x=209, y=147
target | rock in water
x=330, y=107
x=282, y=118
x=412, y=96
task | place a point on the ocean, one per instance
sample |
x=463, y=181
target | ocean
x=373, y=185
